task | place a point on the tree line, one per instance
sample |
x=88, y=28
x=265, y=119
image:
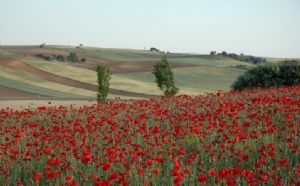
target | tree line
x=71, y=57
x=241, y=57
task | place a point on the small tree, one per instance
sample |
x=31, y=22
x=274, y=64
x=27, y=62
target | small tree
x=165, y=77
x=42, y=45
x=60, y=58
x=73, y=57
x=103, y=78
x=213, y=53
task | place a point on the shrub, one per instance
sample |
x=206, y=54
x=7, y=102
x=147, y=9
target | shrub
x=60, y=58
x=165, y=77
x=103, y=78
x=46, y=57
x=153, y=49
x=73, y=57
x=286, y=73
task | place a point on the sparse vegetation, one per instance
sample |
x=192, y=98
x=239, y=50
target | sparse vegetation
x=103, y=78
x=286, y=73
x=165, y=77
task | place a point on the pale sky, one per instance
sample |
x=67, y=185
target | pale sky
x=268, y=28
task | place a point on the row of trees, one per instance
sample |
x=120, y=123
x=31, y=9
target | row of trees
x=240, y=57
x=71, y=57
x=162, y=71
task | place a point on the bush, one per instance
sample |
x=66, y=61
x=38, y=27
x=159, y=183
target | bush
x=103, y=78
x=60, y=58
x=46, y=57
x=286, y=73
x=165, y=77
x=153, y=49
x=73, y=57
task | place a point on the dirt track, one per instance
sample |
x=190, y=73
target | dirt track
x=21, y=66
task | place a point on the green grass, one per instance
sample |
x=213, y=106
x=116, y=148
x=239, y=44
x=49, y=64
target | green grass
x=37, y=90
x=118, y=54
x=5, y=54
x=223, y=62
x=194, y=80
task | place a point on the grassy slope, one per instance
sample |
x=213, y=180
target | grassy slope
x=214, y=73
x=36, y=82
x=223, y=62
x=37, y=90
x=88, y=76
x=195, y=80
x=192, y=80
x=114, y=54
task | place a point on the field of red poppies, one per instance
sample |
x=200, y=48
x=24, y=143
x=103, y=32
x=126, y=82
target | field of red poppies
x=250, y=137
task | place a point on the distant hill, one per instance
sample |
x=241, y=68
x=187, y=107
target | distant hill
x=23, y=70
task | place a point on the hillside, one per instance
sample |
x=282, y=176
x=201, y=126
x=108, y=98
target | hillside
x=23, y=75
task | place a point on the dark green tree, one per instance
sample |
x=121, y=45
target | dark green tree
x=103, y=78
x=165, y=77
x=73, y=57
x=285, y=73
x=60, y=58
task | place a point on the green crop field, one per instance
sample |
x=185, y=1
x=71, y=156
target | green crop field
x=195, y=80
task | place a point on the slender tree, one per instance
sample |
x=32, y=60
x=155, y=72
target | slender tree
x=165, y=77
x=103, y=78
